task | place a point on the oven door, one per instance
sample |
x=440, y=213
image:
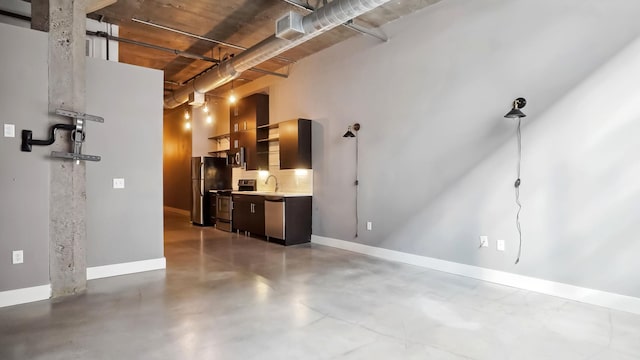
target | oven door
x=223, y=208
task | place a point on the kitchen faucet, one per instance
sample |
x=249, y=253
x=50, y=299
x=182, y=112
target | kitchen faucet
x=267, y=181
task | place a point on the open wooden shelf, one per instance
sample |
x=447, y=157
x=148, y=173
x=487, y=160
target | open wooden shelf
x=275, y=138
x=269, y=126
x=220, y=137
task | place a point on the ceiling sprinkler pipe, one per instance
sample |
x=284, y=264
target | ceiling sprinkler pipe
x=323, y=19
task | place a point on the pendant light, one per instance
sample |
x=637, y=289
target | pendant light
x=232, y=95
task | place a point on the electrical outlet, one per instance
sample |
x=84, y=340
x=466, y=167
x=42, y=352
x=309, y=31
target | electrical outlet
x=484, y=241
x=9, y=130
x=500, y=245
x=369, y=225
x=118, y=183
x=18, y=257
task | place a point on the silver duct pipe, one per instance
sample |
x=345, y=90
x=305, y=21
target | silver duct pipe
x=323, y=19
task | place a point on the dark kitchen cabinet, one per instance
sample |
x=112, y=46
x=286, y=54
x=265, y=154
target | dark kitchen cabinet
x=245, y=117
x=295, y=144
x=248, y=213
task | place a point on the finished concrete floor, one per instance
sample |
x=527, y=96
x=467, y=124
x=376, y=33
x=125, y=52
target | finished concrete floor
x=229, y=297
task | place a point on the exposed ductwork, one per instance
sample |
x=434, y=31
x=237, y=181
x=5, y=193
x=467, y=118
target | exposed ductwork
x=323, y=19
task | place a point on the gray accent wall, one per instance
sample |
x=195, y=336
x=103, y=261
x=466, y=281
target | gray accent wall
x=24, y=177
x=438, y=160
x=124, y=225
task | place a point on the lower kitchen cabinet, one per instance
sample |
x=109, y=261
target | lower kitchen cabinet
x=248, y=213
x=292, y=213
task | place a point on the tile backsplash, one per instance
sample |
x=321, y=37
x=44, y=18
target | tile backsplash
x=289, y=181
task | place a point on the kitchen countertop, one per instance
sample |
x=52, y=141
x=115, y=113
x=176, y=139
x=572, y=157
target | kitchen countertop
x=270, y=193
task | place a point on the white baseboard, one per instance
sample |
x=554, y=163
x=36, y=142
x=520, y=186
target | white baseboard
x=571, y=292
x=177, y=211
x=99, y=272
x=25, y=295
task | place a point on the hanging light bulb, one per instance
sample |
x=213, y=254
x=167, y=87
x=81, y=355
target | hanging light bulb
x=209, y=119
x=232, y=96
x=187, y=125
x=186, y=115
x=206, y=108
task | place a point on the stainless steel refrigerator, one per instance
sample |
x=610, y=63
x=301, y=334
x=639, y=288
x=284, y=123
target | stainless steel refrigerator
x=207, y=173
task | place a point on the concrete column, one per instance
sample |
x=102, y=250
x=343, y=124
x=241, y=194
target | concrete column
x=67, y=219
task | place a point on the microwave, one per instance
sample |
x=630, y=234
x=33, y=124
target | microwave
x=236, y=159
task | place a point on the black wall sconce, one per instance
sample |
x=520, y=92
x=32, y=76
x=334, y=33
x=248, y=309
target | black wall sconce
x=516, y=113
x=350, y=134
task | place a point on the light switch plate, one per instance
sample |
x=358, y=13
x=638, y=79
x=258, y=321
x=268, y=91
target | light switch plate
x=9, y=130
x=369, y=225
x=118, y=183
x=500, y=245
x=17, y=257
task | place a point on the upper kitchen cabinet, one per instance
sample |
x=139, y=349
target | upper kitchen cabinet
x=295, y=144
x=245, y=116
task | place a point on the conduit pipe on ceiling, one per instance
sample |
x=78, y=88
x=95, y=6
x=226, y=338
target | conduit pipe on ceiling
x=323, y=19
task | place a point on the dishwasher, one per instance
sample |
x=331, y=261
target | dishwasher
x=274, y=219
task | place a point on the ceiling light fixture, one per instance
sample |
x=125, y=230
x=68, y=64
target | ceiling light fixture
x=206, y=108
x=350, y=134
x=516, y=113
x=209, y=119
x=186, y=114
x=232, y=96
x=187, y=125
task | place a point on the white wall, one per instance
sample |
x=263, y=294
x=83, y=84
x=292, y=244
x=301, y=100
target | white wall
x=97, y=46
x=437, y=158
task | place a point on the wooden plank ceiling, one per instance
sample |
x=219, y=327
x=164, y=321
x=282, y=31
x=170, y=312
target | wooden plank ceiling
x=239, y=22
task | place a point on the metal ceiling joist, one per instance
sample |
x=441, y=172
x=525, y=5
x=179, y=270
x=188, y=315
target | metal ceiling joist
x=181, y=53
x=196, y=36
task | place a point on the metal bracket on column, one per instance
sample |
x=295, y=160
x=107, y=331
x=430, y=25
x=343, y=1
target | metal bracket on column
x=77, y=136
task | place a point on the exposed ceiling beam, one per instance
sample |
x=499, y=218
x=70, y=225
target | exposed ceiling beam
x=95, y=5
